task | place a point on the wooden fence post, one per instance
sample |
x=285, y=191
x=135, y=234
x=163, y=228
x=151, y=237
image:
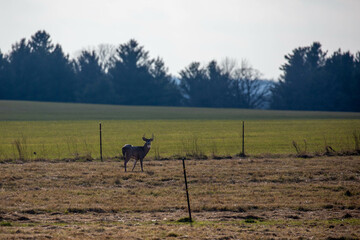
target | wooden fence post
x=243, y=140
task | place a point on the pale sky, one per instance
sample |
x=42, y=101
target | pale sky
x=183, y=31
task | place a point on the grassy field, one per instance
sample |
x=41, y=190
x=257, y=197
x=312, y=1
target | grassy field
x=58, y=130
x=44, y=111
x=287, y=198
x=270, y=194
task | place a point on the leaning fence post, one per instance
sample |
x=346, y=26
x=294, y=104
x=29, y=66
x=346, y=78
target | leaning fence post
x=100, y=143
x=187, y=192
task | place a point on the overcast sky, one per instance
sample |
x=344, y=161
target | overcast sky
x=183, y=31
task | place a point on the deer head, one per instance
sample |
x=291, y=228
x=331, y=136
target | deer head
x=148, y=140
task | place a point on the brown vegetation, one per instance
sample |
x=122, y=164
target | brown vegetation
x=231, y=199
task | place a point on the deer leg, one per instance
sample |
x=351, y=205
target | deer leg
x=125, y=162
x=141, y=161
x=134, y=165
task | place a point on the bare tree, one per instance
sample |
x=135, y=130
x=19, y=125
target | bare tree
x=107, y=56
x=250, y=90
x=105, y=53
x=229, y=66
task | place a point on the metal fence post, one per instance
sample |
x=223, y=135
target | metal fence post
x=100, y=144
x=187, y=192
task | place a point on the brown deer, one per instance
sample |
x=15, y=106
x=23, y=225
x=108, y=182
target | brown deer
x=137, y=152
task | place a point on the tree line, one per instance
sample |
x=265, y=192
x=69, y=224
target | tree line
x=313, y=81
x=38, y=70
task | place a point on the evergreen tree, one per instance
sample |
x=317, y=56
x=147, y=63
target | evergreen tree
x=222, y=86
x=165, y=88
x=93, y=86
x=312, y=81
x=193, y=85
x=300, y=84
x=355, y=100
x=139, y=80
x=218, y=89
x=6, y=89
x=40, y=71
x=343, y=83
x=19, y=68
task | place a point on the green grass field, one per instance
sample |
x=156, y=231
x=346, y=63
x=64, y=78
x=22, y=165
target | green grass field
x=60, y=130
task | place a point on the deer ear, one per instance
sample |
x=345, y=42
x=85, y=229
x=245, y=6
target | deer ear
x=143, y=138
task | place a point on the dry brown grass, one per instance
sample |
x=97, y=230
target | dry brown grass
x=230, y=199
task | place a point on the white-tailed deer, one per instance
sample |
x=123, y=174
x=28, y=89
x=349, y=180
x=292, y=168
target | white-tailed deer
x=136, y=152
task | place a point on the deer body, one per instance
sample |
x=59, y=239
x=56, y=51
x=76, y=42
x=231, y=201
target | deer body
x=136, y=152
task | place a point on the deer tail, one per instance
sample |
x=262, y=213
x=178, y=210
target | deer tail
x=123, y=151
x=125, y=148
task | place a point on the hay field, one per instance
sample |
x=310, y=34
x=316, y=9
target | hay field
x=248, y=198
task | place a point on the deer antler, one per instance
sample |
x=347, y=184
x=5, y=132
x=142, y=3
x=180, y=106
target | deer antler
x=146, y=139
